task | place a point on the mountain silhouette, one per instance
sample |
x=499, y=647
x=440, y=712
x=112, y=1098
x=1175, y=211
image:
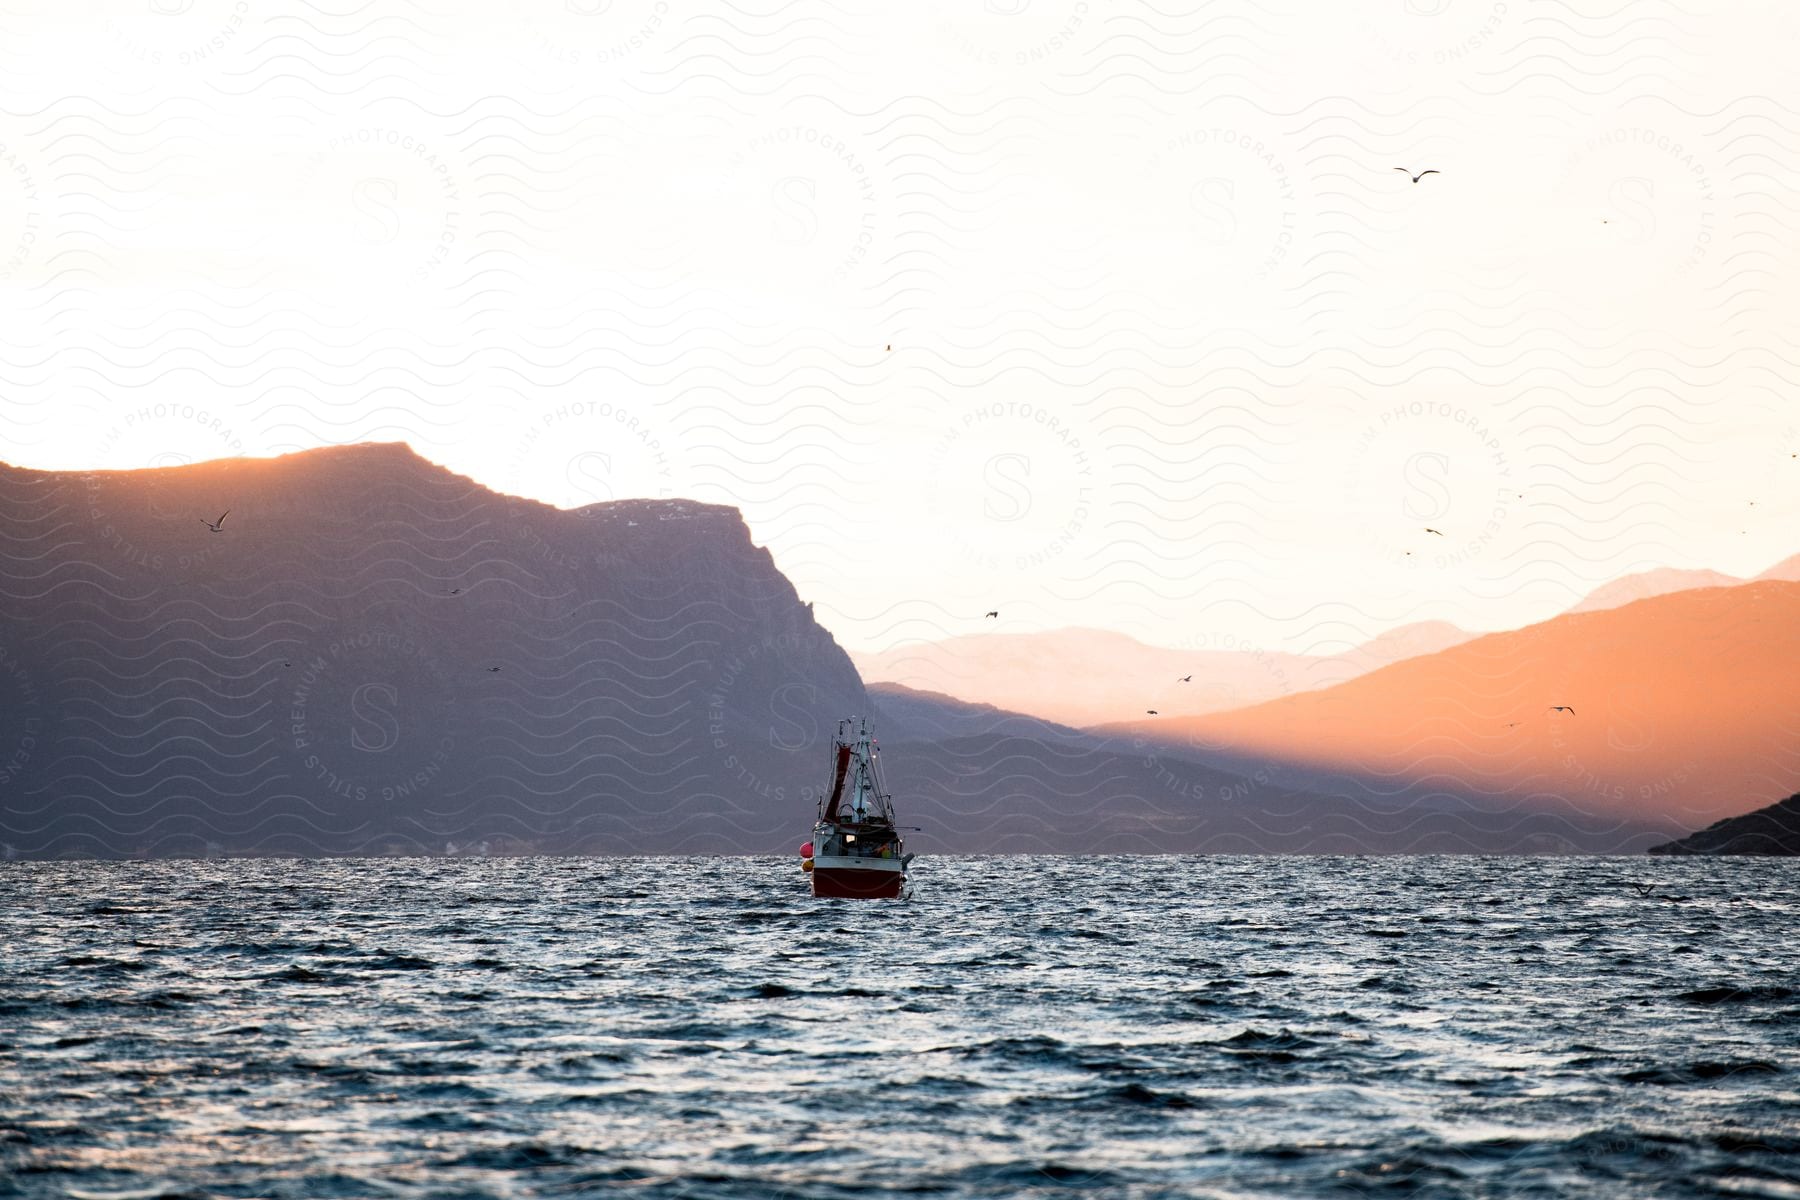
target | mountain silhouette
x=979, y=779
x=1685, y=711
x=1641, y=585
x=319, y=675
x=909, y=714
x=1787, y=570
x=1085, y=677
x=376, y=655
x=1774, y=830
x=1645, y=584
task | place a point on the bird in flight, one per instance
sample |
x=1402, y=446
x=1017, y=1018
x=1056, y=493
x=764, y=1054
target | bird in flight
x=1185, y=679
x=1562, y=708
x=454, y=591
x=1510, y=724
x=214, y=525
x=995, y=614
x=1420, y=175
x=1150, y=711
x=493, y=668
x=1644, y=889
x=1439, y=532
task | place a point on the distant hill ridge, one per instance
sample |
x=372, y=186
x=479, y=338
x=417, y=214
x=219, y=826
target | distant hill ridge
x=1671, y=710
x=1641, y=586
x=979, y=779
x=1774, y=830
x=1081, y=677
x=1661, y=581
x=1087, y=677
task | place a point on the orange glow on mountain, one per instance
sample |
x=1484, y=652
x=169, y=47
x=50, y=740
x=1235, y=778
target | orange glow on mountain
x=1683, y=706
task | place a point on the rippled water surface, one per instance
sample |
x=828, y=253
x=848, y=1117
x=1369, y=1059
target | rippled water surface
x=1281, y=1027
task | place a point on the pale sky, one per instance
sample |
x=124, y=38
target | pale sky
x=1176, y=351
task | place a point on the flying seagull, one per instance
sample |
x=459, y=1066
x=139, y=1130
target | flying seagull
x=1185, y=679
x=214, y=525
x=1510, y=724
x=1644, y=889
x=995, y=614
x=1150, y=711
x=493, y=668
x=1439, y=532
x=1562, y=708
x=1420, y=175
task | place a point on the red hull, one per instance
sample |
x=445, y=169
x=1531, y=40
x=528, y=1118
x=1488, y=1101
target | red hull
x=854, y=884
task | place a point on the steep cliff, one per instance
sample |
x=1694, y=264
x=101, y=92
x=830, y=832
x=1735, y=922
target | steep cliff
x=373, y=654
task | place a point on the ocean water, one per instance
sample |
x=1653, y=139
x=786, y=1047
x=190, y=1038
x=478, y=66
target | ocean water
x=1132, y=1027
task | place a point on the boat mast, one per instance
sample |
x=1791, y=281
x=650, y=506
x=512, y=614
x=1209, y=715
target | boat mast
x=875, y=797
x=865, y=799
x=882, y=797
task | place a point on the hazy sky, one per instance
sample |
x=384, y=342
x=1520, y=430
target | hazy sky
x=1175, y=351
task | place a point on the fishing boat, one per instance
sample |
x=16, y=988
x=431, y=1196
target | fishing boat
x=860, y=852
